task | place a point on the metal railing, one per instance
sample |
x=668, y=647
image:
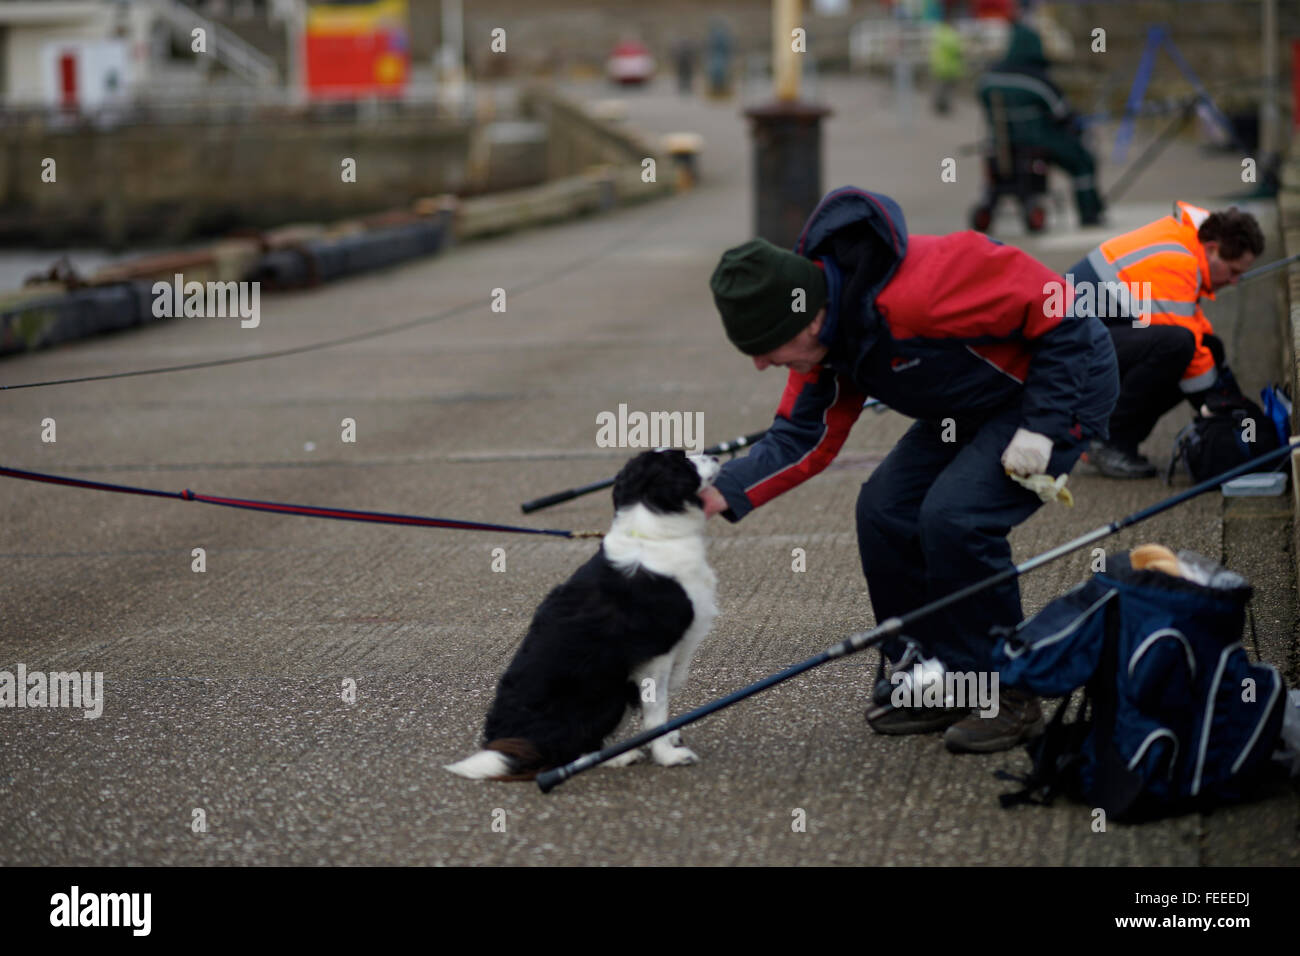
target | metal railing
x=237, y=55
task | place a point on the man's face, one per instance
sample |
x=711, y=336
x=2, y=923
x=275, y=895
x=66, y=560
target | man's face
x=803, y=353
x=1226, y=271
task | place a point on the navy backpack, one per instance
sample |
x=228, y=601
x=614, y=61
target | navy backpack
x=1174, y=717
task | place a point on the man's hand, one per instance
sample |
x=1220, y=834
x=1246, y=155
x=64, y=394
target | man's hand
x=1028, y=453
x=713, y=501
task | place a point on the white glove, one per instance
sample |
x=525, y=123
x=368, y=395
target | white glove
x=1047, y=488
x=1028, y=453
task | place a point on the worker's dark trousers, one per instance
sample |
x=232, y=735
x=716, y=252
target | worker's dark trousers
x=1152, y=361
x=933, y=518
x=1066, y=151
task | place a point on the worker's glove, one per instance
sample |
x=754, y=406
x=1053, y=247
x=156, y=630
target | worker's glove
x=1028, y=453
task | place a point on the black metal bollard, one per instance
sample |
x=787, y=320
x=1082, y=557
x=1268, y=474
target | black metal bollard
x=787, y=167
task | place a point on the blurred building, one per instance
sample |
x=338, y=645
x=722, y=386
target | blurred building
x=89, y=54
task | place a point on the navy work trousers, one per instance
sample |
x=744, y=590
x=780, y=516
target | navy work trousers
x=933, y=518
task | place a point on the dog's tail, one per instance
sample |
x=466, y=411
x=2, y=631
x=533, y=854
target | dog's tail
x=484, y=765
x=511, y=758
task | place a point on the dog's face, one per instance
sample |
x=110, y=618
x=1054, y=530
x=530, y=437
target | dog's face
x=664, y=481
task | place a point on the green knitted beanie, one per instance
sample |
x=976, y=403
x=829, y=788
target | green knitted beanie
x=753, y=287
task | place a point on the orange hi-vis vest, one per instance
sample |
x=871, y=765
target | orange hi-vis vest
x=1168, y=255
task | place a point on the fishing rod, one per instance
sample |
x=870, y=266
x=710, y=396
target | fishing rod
x=894, y=626
x=1265, y=270
x=725, y=448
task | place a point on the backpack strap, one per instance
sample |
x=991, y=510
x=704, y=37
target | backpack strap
x=1055, y=755
x=1058, y=754
x=1180, y=450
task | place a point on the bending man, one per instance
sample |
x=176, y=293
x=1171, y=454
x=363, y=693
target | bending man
x=960, y=333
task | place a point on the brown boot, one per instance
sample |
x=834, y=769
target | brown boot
x=1019, y=718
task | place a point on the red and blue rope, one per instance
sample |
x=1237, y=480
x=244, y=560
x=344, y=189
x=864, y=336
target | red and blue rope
x=306, y=511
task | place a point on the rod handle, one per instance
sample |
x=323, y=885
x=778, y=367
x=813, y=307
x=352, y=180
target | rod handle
x=528, y=507
x=548, y=780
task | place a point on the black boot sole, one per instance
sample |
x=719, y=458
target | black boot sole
x=893, y=721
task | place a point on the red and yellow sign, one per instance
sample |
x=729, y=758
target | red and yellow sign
x=356, y=50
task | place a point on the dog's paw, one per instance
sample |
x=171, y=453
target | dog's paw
x=627, y=759
x=671, y=756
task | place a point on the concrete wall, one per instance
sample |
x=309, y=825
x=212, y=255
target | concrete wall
x=169, y=182
x=576, y=141
x=1220, y=39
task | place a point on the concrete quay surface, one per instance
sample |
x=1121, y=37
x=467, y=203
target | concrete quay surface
x=224, y=689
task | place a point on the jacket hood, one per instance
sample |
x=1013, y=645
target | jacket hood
x=1024, y=52
x=864, y=233
x=853, y=214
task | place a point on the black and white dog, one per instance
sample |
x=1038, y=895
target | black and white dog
x=614, y=639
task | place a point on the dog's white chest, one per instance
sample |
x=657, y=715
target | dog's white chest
x=672, y=546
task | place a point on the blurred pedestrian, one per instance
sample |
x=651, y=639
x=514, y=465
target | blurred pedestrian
x=684, y=60
x=719, y=59
x=947, y=64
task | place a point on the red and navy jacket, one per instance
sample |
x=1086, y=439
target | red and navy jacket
x=936, y=327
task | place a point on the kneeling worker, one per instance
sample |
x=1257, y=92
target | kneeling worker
x=1147, y=286
x=957, y=332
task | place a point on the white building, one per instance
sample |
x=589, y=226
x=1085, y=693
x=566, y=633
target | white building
x=74, y=53
x=88, y=54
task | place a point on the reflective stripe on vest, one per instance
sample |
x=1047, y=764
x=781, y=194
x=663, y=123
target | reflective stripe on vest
x=1118, y=288
x=1200, y=382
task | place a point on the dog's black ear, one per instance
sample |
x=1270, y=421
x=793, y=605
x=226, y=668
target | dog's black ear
x=628, y=481
x=664, y=481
